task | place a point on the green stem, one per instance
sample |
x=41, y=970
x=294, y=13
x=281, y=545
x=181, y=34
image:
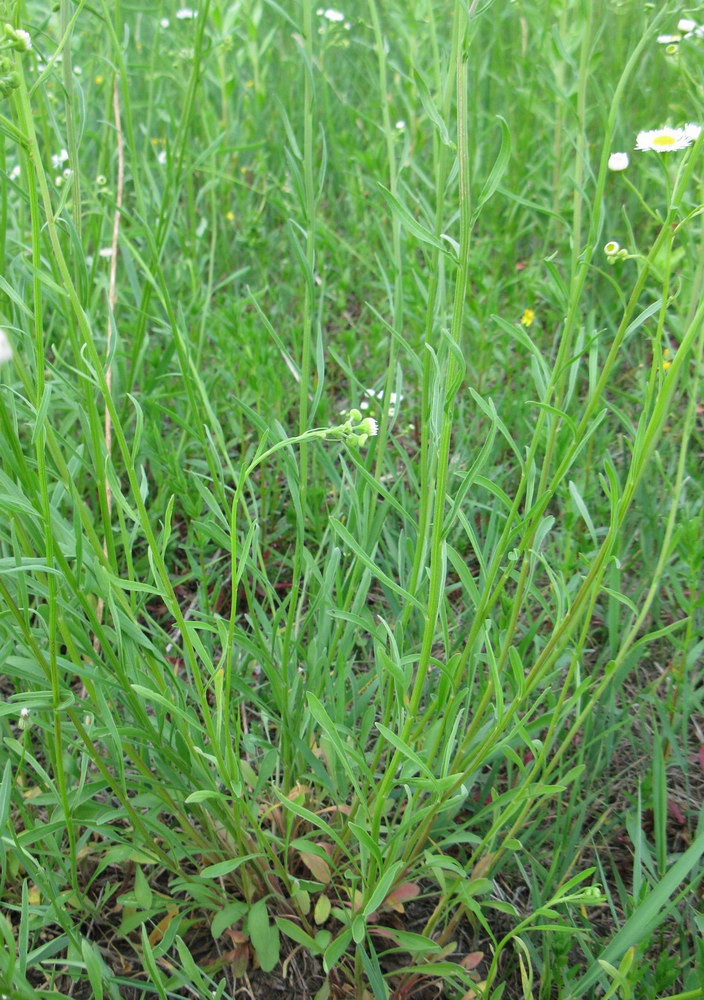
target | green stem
x=454, y=373
x=304, y=384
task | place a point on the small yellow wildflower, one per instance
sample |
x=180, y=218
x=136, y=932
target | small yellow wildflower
x=99, y=79
x=230, y=216
x=666, y=362
x=527, y=317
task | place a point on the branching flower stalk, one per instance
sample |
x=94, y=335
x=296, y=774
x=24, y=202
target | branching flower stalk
x=427, y=454
x=397, y=307
x=304, y=383
x=95, y=367
x=40, y=451
x=397, y=313
x=112, y=302
x=514, y=523
x=453, y=381
x=643, y=449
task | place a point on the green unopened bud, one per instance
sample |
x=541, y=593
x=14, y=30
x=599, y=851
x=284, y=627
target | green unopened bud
x=8, y=83
x=355, y=416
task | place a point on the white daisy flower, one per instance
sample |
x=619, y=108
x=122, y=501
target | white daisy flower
x=105, y=252
x=25, y=713
x=186, y=14
x=369, y=426
x=664, y=140
x=5, y=348
x=333, y=15
x=618, y=161
x=611, y=248
x=686, y=24
x=161, y=157
x=78, y=70
x=668, y=39
x=164, y=22
x=15, y=172
x=693, y=131
x=400, y=124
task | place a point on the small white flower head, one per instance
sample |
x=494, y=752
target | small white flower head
x=105, y=252
x=394, y=401
x=668, y=39
x=356, y=429
x=5, y=347
x=333, y=15
x=58, y=159
x=19, y=38
x=164, y=22
x=618, y=161
x=58, y=181
x=67, y=173
x=693, y=131
x=611, y=248
x=686, y=24
x=186, y=14
x=15, y=172
x=101, y=180
x=400, y=124
x=78, y=70
x=24, y=721
x=664, y=140
x=161, y=157
x=25, y=40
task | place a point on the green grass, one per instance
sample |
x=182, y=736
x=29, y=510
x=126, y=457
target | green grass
x=283, y=709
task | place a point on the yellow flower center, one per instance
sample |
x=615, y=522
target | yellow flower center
x=664, y=140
